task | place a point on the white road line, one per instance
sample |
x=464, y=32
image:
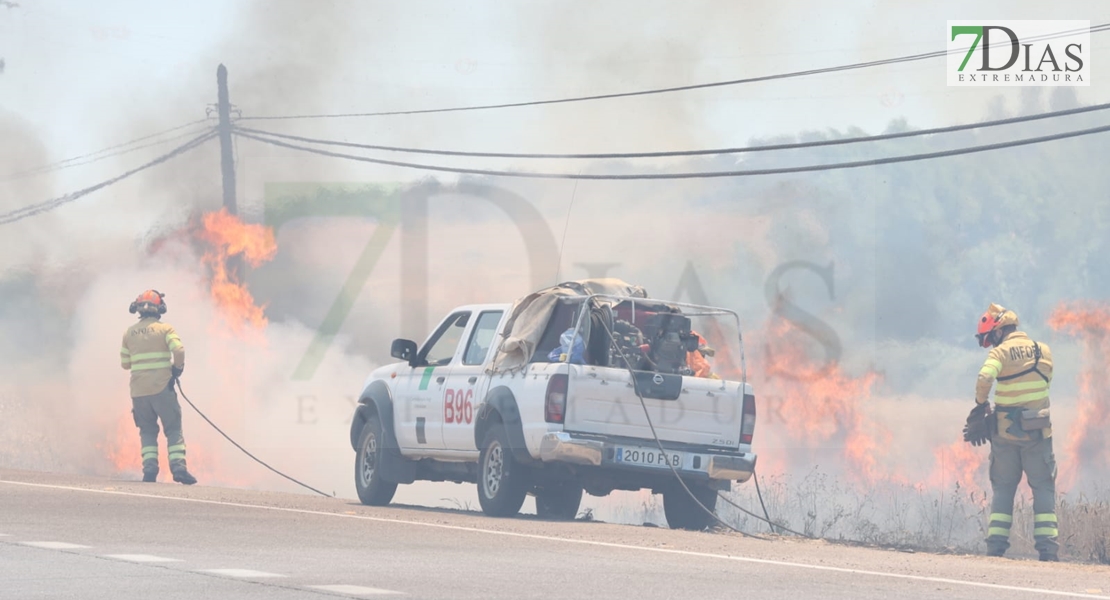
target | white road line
x=240, y=573
x=54, y=545
x=547, y=538
x=352, y=589
x=142, y=558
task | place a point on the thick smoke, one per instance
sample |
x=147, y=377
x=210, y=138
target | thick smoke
x=912, y=253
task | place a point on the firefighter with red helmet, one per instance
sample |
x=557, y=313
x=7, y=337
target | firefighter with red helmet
x=1020, y=370
x=154, y=354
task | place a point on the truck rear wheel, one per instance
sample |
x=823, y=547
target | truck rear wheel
x=681, y=510
x=372, y=490
x=558, y=502
x=502, y=482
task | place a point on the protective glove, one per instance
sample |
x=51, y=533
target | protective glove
x=176, y=371
x=977, y=430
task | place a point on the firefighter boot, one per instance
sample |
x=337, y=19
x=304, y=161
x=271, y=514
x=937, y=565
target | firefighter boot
x=181, y=475
x=150, y=470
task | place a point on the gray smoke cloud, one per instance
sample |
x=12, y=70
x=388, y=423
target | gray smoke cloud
x=914, y=252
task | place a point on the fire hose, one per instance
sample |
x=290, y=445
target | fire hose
x=244, y=450
x=766, y=518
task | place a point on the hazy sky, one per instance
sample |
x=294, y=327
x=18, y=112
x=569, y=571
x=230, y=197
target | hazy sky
x=87, y=75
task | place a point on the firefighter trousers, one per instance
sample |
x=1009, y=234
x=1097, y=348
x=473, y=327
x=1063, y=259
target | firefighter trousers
x=1008, y=461
x=147, y=410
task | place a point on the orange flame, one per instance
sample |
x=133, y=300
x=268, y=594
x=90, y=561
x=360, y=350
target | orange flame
x=822, y=403
x=228, y=237
x=1087, y=442
x=123, y=452
x=958, y=463
x=723, y=363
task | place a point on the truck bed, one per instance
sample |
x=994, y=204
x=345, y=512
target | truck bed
x=683, y=409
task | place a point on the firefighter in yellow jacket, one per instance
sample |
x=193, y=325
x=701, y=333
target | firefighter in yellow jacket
x=1021, y=371
x=154, y=354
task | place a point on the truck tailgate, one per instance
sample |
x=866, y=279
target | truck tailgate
x=603, y=401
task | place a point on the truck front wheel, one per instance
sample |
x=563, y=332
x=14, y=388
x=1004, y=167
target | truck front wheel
x=368, y=480
x=681, y=510
x=502, y=482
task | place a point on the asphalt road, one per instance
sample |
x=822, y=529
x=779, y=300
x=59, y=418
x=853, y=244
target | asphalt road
x=78, y=537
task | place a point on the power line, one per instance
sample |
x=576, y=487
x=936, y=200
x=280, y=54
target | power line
x=59, y=164
x=849, y=67
x=34, y=209
x=711, y=151
x=692, y=175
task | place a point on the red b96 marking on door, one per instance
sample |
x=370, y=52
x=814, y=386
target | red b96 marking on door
x=458, y=406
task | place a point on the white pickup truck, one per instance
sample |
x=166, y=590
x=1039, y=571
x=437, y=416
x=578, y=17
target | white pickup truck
x=548, y=397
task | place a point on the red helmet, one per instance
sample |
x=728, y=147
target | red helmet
x=150, y=301
x=995, y=318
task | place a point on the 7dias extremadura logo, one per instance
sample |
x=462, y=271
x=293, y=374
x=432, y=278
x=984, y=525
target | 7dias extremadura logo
x=1016, y=53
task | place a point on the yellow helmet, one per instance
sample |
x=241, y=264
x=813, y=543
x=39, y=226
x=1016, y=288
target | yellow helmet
x=995, y=318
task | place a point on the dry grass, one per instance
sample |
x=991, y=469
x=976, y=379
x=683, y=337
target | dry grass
x=907, y=518
x=897, y=516
x=1085, y=528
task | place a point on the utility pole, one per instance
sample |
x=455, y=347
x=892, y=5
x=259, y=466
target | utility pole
x=235, y=266
x=227, y=155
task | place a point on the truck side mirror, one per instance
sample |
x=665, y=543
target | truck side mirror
x=403, y=349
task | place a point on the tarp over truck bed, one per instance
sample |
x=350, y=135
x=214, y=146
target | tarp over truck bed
x=529, y=316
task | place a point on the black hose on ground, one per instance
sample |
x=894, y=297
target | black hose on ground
x=244, y=450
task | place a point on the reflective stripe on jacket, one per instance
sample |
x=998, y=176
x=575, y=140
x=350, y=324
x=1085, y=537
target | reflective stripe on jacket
x=1017, y=385
x=150, y=349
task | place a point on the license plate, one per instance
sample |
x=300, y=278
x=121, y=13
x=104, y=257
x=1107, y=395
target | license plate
x=647, y=458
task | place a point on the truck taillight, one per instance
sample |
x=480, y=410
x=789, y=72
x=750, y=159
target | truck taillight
x=747, y=425
x=555, y=401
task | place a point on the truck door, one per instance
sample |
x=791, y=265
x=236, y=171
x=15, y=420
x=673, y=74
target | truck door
x=419, y=414
x=467, y=385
